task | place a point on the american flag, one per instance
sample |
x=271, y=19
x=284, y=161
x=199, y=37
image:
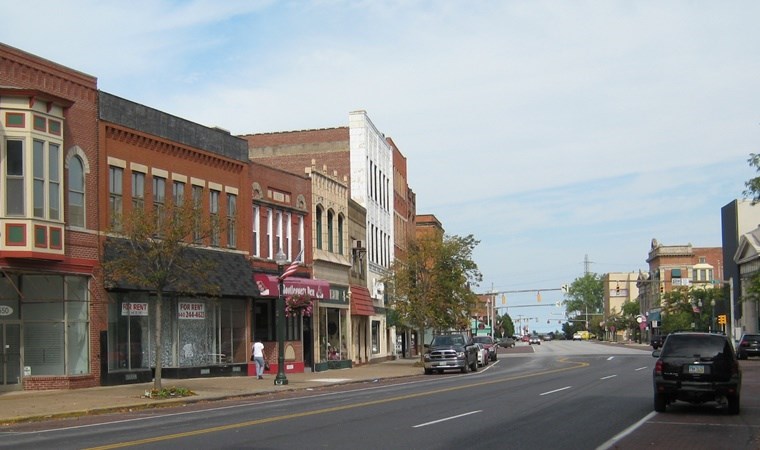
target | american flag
x=293, y=267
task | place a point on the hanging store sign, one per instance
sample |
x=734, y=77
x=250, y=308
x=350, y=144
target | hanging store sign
x=134, y=309
x=193, y=311
x=269, y=286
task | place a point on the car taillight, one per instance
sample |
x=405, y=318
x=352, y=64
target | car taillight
x=744, y=344
x=735, y=368
x=658, y=367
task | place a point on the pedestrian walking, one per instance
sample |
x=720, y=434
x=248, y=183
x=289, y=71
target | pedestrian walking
x=257, y=354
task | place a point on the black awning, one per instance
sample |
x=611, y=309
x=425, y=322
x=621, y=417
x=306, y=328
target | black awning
x=231, y=272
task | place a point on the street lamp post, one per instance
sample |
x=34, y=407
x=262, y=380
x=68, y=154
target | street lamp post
x=280, y=258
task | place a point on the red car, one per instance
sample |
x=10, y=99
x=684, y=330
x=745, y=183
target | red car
x=488, y=343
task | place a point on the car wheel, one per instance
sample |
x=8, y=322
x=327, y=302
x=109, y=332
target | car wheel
x=733, y=404
x=440, y=371
x=428, y=371
x=660, y=402
x=474, y=366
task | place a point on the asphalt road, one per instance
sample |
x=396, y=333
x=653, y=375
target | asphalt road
x=560, y=395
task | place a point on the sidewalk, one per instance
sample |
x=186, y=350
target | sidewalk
x=21, y=406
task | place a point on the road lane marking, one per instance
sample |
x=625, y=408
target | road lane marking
x=614, y=440
x=608, y=377
x=447, y=418
x=641, y=368
x=233, y=426
x=556, y=390
x=610, y=358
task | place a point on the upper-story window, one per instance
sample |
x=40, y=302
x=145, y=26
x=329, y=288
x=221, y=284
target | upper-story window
x=138, y=190
x=197, y=205
x=32, y=161
x=330, y=231
x=231, y=220
x=256, y=230
x=14, y=177
x=278, y=232
x=340, y=234
x=318, y=226
x=178, y=193
x=115, y=189
x=76, y=192
x=213, y=208
x=159, y=200
x=47, y=180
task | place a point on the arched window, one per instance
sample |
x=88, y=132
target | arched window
x=330, y=220
x=340, y=234
x=318, y=227
x=76, y=192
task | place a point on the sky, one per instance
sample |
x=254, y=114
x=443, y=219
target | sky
x=563, y=135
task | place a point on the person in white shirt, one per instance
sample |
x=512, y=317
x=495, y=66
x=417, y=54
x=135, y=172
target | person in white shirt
x=257, y=350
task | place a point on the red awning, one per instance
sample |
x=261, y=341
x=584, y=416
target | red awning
x=361, y=302
x=269, y=286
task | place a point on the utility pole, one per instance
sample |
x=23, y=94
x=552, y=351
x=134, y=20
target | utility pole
x=587, y=265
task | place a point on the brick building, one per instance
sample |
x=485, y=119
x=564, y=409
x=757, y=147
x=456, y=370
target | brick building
x=676, y=266
x=51, y=307
x=152, y=160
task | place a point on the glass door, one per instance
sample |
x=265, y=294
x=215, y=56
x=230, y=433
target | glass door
x=10, y=355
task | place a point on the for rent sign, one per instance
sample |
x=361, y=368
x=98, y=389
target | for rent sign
x=134, y=309
x=196, y=311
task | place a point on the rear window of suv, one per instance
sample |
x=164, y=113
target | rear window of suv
x=690, y=345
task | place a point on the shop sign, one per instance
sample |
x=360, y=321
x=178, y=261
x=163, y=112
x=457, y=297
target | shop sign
x=269, y=287
x=134, y=309
x=5, y=310
x=193, y=311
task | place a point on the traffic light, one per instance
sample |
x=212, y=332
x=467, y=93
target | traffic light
x=662, y=288
x=617, y=289
x=722, y=319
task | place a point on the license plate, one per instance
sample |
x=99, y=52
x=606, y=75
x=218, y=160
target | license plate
x=696, y=369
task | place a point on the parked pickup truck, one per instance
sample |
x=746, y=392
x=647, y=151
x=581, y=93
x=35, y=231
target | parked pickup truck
x=451, y=351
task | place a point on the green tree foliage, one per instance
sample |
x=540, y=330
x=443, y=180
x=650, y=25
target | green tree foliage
x=686, y=309
x=626, y=318
x=431, y=289
x=151, y=253
x=753, y=185
x=584, y=301
x=505, y=326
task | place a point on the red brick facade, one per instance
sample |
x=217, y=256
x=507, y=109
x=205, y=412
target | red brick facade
x=19, y=69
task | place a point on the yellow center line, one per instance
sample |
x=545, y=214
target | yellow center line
x=576, y=365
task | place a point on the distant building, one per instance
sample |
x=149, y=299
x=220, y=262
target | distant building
x=619, y=288
x=738, y=218
x=673, y=266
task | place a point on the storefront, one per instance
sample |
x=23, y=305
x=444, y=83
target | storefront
x=332, y=328
x=299, y=347
x=201, y=335
x=44, y=329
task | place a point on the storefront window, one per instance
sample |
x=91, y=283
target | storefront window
x=196, y=332
x=265, y=322
x=56, y=325
x=333, y=330
x=375, y=337
x=129, y=332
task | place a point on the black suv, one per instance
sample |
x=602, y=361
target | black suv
x=697, y=368
x=749, y=345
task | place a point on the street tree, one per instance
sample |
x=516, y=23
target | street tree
x=585, y=298
x=505, y=326
x=432, y=287
x=150, y=250
x=753, y=185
